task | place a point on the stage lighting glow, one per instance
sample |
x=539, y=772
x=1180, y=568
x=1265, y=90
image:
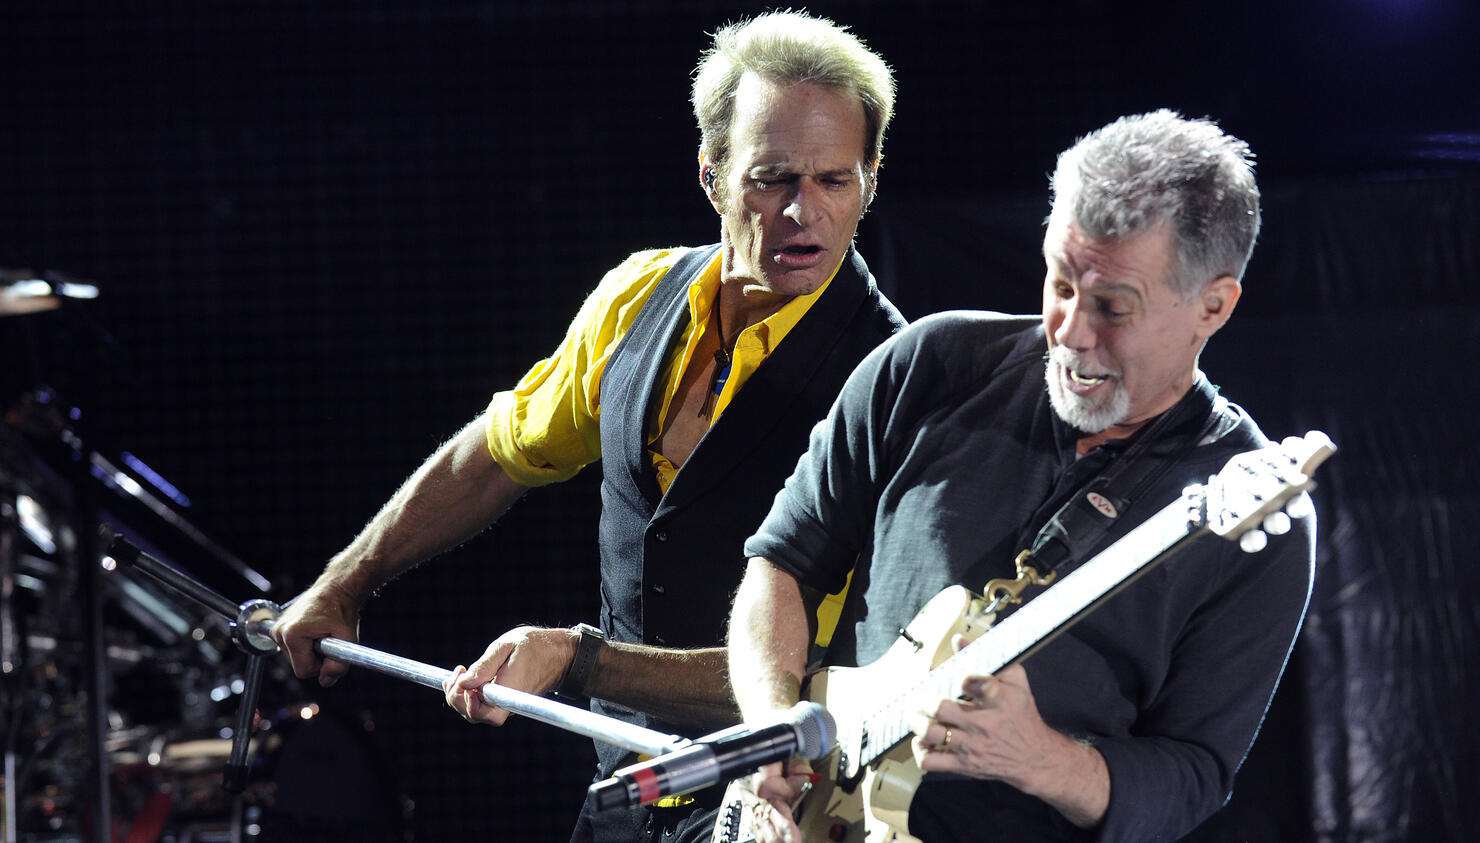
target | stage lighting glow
x=34, y=523
x=1449, y=146
x=154, y=477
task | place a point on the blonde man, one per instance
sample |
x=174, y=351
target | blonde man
x=693, y=375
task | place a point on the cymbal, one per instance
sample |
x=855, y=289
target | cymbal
x=23, y=291
x=28, y=296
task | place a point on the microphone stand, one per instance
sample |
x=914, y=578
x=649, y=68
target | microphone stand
x=251, y=626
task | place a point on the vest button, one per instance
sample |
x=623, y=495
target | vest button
x=657, y=589
x=658, y=639
x=661, y=536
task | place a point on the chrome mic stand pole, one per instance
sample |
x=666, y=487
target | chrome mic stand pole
x=251, y=627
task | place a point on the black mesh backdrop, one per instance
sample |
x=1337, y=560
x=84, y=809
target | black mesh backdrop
x=326, y=232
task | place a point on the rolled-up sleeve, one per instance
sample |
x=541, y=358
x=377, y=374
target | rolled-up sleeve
x=547, y=427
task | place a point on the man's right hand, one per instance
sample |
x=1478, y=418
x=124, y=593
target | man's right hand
x=456, y=493
x=325, y=610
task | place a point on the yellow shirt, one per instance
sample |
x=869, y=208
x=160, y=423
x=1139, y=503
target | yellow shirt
x=548, y=426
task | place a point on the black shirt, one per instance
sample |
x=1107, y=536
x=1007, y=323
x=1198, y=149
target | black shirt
x=940, y=457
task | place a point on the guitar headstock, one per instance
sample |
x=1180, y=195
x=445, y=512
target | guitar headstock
x=1253, y=493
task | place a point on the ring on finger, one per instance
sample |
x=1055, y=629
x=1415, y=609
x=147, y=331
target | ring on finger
x=945, y=744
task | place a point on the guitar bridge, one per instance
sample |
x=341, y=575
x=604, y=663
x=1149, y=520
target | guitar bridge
x=728, y=827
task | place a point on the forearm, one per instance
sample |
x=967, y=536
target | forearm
x=684, y=687
x=453, y=496
x=769, y=637
x=1073, y=779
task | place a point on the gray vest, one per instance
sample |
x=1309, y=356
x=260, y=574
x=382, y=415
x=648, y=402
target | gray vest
x=670, y=563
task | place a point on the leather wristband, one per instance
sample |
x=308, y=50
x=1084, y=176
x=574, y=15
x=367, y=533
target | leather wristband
x=578, y=672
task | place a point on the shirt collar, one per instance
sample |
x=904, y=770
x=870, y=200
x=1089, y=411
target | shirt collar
x=704, y=292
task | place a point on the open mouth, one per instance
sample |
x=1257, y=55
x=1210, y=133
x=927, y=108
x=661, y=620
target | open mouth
x=1083, y=379
x=801, y=256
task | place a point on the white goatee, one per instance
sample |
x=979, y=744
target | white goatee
x=1084, y=413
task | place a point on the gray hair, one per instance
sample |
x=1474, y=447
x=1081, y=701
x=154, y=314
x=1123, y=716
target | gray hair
x=789, y=47
x=1141, y=171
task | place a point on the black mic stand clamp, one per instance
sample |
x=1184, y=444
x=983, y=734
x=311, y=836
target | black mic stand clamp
x=250, y=632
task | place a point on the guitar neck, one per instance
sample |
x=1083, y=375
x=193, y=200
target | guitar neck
x=1038, y=621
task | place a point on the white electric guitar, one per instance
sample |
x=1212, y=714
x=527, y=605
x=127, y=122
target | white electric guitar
x=869, y=780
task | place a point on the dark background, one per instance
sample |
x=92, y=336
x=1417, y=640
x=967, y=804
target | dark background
x=326, y=232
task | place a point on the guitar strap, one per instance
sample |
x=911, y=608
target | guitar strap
x=1079, y=526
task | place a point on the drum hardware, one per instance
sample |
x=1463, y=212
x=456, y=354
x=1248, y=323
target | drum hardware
x=22, y=291
x=73, y=637
x=49, y=423
x=251, y=625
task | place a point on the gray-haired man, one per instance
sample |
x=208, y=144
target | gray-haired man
x=952, y=446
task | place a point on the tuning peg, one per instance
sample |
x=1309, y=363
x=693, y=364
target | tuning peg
x=1276, y=523
x=1301, y=506
x=1253, y=541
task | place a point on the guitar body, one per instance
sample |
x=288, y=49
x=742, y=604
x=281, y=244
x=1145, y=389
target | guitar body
x=873, y=808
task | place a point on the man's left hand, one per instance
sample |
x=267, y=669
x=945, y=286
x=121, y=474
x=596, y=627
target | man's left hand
x=527, y=658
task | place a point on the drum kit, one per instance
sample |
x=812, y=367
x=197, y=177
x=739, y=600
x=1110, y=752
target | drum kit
x=129, y=713
x=118, y=694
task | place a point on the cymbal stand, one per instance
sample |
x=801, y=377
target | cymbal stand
x=251, y=629
x=10, y=673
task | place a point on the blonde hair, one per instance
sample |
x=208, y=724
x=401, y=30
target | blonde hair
x=789, y=47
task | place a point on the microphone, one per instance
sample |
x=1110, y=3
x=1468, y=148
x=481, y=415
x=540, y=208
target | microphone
x=808, y=732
